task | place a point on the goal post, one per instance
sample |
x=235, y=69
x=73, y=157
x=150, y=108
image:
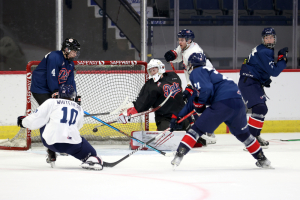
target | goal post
x=103, y=87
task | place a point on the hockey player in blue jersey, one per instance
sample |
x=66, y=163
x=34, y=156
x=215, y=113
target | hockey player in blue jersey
x=56, y=68
x=255, y=74
x=225, y=105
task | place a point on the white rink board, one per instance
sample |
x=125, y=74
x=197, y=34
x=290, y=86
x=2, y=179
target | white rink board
x=284, y=95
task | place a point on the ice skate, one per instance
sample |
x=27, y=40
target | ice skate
x=263, y=162
x=263, y=143
x=202, y=141
x=93, y=163
x=51, y=157
x=178, y=157
x=210, y=138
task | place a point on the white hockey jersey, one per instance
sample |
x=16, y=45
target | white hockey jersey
x=63, y=119
x=184, y=56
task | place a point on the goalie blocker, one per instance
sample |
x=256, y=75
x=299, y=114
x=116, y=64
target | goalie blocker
x=168, y=142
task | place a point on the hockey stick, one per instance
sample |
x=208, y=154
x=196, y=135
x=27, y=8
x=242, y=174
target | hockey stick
x=106, y=164
x=172, y=66
x=203, y=136
x=161, y=152
x=138, y=114
x=122, y=107
x=290, y=140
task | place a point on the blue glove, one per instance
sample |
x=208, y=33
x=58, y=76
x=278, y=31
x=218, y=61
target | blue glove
x=19, y=122
x=282, y=53
x=199, y=107
x=170, y=55
x=188, y=92
x=173, y=123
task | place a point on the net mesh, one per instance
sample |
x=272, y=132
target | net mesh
x=103, y=88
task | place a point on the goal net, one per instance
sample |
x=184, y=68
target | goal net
x=104, y=87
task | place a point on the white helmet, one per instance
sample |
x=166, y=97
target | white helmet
x=161, y=69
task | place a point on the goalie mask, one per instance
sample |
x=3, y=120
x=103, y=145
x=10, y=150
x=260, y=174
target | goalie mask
x=267, y=32
x=196, y=60
x=161, y=69
x=72, y=45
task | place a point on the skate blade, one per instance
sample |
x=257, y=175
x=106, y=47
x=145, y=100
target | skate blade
x=174, y=167
x=52, y=164
x=270, y=167
x=89, y=167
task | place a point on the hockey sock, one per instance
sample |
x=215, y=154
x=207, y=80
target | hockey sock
x=189, y=140
x=251, y=144
x=256, y=120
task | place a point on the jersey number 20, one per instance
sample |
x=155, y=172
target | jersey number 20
x=64, y=119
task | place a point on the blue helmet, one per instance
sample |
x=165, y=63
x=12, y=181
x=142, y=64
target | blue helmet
x=196, y=60
x=66, y=92
x=268, y=31
x=187, y=34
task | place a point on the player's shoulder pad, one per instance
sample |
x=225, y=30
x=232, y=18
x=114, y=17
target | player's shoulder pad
x=262, y=50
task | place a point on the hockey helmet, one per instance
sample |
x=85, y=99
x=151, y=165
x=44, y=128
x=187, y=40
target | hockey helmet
x=196, y=60
x=66, y=92
x=268, y=31
x=72, y=45
x=187, y=34
x=161, y=69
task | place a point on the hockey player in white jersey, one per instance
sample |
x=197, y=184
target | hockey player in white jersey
x=182, y=53
x=185, y=49
x=60, y=120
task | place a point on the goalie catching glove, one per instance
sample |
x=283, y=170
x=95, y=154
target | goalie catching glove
x=19, y=122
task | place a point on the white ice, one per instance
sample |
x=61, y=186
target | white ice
x=218, y=171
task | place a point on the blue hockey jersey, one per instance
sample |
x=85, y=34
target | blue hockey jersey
x=210, y=86
x=52, y=71
x=261, y=64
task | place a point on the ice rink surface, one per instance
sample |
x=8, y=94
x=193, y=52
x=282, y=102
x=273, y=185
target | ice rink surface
x=218, y=171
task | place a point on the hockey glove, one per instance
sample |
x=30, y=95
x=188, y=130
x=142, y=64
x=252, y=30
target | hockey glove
x=282, y=53
x=131, y=111
x=188, y=92
x=78, y=100
x=123, y=119
x=173, y=123
x=199, y=107
x=267, y=83
x=55, y=94
x=170, y=55
x=19, y=122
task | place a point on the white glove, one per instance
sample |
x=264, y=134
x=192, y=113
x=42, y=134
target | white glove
x=123, y=119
